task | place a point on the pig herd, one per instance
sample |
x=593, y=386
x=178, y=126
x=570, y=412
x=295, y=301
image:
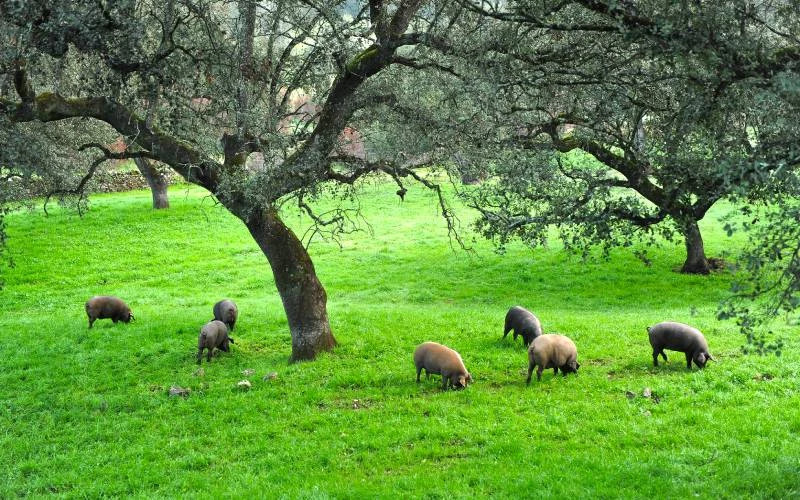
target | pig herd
x=556, y=351
x=213, y=335
x=544, y=350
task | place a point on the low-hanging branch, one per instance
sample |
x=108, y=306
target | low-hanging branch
x=398, y=171
x=80, y=189
x=193, y=165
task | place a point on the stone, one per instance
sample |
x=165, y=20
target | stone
x=175, y=391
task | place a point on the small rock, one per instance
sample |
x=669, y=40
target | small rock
x=178, y=391
x=199, y=372
x=244, y=385
x=647, y=392
x=248, y=372
x=629, y=395
x=647, y=413
x=270, y=376
x=356, y=404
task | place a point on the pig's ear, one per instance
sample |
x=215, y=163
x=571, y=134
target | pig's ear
x=648, y=329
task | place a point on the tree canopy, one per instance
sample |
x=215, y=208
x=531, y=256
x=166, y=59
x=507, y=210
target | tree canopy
x=663, y=109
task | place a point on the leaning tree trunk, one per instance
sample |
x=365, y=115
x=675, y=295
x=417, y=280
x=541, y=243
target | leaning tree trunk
x=696, y=261
x=158, y=182
x=304, y=298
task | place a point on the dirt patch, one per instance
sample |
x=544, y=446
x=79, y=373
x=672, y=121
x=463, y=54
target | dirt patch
x=720, y=264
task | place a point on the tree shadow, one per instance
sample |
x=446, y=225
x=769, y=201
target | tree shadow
x=643, y=367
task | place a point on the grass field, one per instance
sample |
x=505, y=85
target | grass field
x=86, y=412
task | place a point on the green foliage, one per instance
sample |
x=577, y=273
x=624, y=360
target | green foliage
x=86, y=412
x=535, y=198
x=768, y=284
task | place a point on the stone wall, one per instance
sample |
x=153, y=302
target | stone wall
x=103, y=181
x=116, y=181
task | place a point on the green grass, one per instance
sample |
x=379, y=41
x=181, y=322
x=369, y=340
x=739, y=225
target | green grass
x=86, y=412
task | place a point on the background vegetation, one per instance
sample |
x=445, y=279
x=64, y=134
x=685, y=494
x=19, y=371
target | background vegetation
x=86, y=412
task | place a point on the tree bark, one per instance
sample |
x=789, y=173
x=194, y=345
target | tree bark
x=304, y=298
x=158, y=182
x=696, y=261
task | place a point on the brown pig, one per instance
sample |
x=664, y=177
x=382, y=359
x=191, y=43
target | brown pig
x=441, y=360
x=552, y=351
x=108, y=307
x=214, y=334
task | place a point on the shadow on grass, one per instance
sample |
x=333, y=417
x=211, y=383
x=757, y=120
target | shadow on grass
x=507, y=343
x=671, y=368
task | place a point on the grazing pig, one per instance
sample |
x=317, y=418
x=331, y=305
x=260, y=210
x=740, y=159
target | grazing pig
x=679, y=337
x=227, y=312
x=524, y=323
x=105, y=307
x=441, y=360
x=552, y=351
x=213, y=334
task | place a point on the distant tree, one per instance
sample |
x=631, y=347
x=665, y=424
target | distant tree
x=671, y=106
x=157, y=181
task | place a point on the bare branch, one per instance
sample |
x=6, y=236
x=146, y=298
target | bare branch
x=413, y=63
x=398, y=171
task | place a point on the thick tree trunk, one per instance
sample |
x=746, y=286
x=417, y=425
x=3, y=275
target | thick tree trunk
x=304, y=298
x=158, y=182
x=696, y=261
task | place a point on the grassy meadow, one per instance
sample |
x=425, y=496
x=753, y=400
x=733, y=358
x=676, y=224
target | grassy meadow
x=86, y=413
